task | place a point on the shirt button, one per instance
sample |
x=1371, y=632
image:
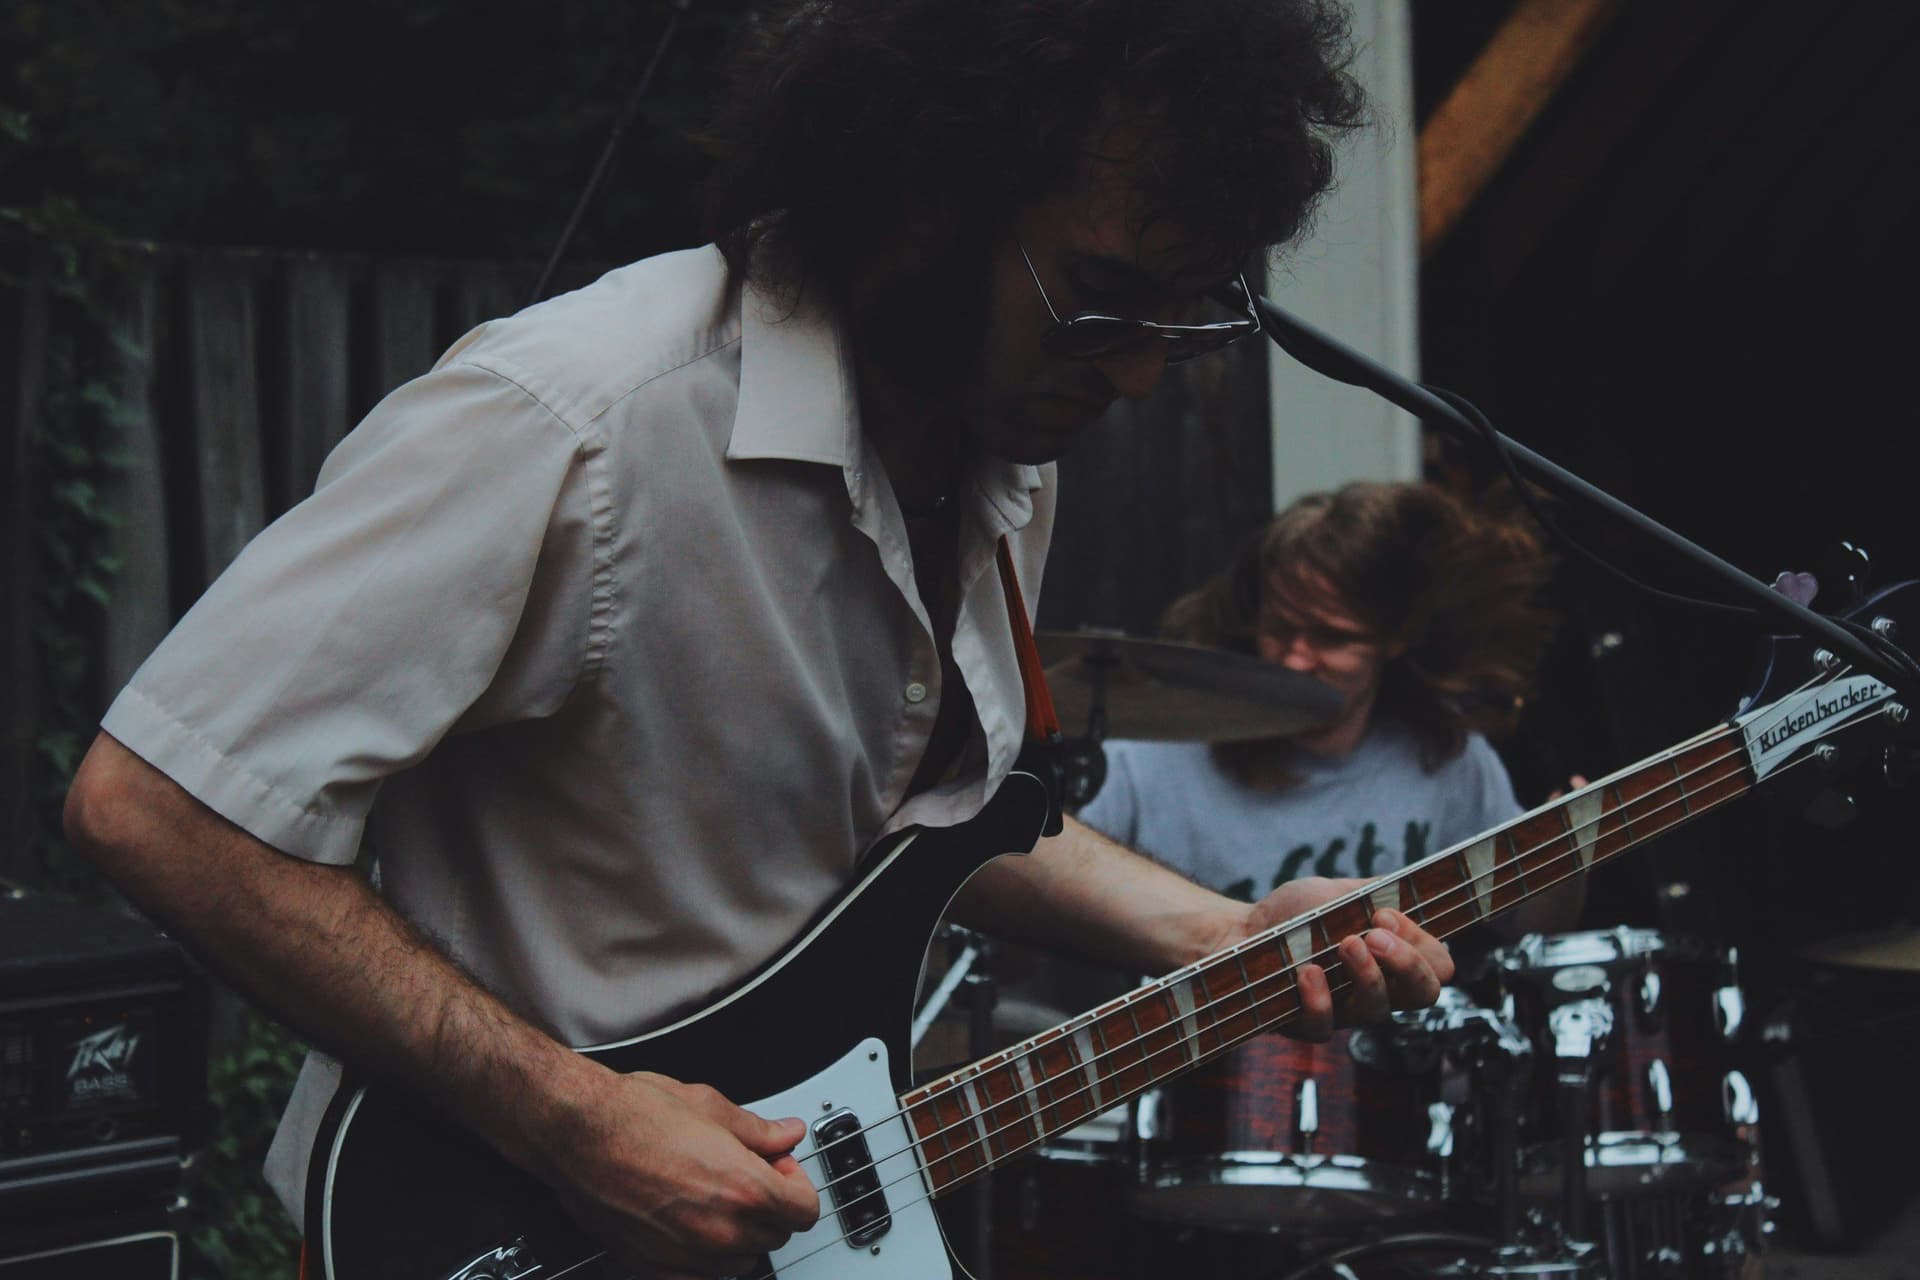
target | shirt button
x=916, y=692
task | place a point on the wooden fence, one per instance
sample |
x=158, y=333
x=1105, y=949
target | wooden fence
x=229, y=375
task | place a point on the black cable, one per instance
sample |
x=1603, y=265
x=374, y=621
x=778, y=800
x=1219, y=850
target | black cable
x=1327, y=355
x=1392, y=1244
x=1493, y=440
x=605, y=163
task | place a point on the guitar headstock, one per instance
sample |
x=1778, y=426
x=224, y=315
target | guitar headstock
x=1815, y=716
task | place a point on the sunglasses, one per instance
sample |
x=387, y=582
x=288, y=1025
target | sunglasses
x=1089, y=335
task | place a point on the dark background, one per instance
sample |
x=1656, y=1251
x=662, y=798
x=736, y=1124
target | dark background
x=1692, y=283
x=1686, y=286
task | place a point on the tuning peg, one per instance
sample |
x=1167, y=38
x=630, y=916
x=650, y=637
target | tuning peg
x=1848, y=566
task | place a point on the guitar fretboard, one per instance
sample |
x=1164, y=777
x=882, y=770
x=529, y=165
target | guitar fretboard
x=991, y=1110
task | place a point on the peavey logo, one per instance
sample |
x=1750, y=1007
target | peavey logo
x=1821, y=709
x=100, y=1062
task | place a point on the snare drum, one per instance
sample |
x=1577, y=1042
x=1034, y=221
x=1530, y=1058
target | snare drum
x=1670, y=1108
x=1281, y=1135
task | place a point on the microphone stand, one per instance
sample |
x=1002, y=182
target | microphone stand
x=1332, y=358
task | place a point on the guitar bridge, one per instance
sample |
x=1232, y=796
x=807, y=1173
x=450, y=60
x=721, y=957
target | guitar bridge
x=852, y=1180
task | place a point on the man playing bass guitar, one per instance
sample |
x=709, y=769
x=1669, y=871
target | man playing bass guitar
x=613, y=639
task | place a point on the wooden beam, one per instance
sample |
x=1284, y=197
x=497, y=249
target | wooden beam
x=1470, y=135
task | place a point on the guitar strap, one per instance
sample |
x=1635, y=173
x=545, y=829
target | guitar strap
x=1040, y=755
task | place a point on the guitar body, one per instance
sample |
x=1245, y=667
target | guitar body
x=396, y=1192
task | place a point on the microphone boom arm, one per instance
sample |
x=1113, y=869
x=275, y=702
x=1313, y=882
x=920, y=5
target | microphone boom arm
x=1327, y=355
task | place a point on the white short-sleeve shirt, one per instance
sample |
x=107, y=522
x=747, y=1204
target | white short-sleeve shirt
x=604, y=635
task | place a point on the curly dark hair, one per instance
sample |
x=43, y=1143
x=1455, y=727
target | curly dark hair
x=841, y=116
x=1458, y=587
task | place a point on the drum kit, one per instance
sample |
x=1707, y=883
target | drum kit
x=1576, y=1107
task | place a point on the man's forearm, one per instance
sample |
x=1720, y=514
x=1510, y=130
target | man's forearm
x=318, y=947
x=1083, y=892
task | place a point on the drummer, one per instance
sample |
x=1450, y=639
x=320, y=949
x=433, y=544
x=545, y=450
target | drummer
x=1423, y=615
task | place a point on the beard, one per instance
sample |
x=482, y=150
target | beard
x=926, y=327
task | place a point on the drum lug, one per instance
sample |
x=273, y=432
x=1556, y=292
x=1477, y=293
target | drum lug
x=1737, y=1096
x=1146, y=1116
x=1579, y=1028
x=1440, y=1130
x=1729, y=1011
x=1306, y=1114
x=1650, y=999
x=1660, y=1081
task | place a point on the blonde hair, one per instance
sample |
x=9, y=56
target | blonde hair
x=1454, y=588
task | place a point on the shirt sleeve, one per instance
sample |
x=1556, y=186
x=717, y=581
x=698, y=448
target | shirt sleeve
x=440, y=578
x=1114, y=810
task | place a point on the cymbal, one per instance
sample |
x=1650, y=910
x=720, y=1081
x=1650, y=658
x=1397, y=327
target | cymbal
x=1892, y=950
x=1174, y=692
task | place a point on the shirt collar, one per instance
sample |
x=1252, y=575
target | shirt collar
x=797, y=403
x=796, y=385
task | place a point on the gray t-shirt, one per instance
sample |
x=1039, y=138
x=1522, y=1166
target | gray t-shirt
x=1368, y=814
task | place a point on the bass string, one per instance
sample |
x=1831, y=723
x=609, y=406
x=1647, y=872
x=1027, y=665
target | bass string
x=1276, y=931
x=1334, y=970
x=1624, y=813
x=1464, y=890
x=788, y=1267
x=1825, y=731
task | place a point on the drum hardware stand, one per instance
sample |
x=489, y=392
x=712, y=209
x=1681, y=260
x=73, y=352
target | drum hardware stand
x=1505, y=1063
x=1580, y=1030
x=969, y=976
x=1082, y=759
x=978, y=995
x=973, y=950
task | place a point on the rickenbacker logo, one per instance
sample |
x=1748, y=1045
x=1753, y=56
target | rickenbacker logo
x=1799, y=716
x=1822, y=710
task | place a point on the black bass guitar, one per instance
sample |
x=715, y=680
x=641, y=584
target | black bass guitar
x=821, y=1030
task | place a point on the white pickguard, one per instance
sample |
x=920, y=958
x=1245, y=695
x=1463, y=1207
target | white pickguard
x=913, y=1248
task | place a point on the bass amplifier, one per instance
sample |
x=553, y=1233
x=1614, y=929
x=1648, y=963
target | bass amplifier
x=138, y=1245
x=103, y=1059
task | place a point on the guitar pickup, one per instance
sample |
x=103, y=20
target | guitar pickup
x=852, y=1180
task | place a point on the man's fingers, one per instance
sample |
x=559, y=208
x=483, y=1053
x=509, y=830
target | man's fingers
x=1429, y=948
x=1366, y=998
x=1409, y=982
x=792, y=1203
x=1316, y=1005
x=769, y=1138
x=1389, y=971
x=796, y=1205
